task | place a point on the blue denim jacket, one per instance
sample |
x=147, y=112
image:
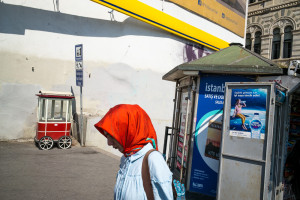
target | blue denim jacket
x=129, y=185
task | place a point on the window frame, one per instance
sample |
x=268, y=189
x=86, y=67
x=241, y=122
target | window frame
x=287, y=42
x=276, y=44
x=248, y=46
x=257, y=42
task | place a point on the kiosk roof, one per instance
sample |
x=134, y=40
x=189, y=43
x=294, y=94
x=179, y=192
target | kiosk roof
x=54, y=94
x=231, y=60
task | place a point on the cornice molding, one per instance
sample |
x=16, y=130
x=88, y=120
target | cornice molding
x=273, y=8
x=296, y=31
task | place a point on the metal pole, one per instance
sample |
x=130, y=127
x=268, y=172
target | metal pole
x=176, y=129
x=46, y=117
x=81, y=116
x=184, y=139
x=170, y=159
x=166, y=141
x=191, y=131
x=67, y=114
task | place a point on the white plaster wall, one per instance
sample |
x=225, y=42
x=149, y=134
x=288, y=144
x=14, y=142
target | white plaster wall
x=124, y=61
x=17, y=113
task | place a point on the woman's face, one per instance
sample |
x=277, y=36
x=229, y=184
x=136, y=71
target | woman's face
x=113, y=142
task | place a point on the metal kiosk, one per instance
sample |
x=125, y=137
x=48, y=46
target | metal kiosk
x=197, y=143
x=54, y=119
x=262, y=163
x=251, y=157
x=284, y=181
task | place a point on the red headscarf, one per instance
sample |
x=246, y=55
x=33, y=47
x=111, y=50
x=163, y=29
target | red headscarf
x=130, y=126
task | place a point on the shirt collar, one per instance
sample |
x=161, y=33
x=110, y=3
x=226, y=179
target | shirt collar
x=141, y=152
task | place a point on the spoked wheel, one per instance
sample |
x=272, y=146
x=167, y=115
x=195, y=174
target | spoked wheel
x=46, y=143
x=64, y=142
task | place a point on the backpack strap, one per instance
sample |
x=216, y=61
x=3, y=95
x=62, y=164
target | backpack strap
x=147, y=180
x=146, y=176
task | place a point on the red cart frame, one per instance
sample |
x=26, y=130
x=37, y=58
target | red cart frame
x=54, y=119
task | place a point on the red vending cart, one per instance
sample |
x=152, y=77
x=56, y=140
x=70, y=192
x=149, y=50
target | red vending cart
x=54, y=119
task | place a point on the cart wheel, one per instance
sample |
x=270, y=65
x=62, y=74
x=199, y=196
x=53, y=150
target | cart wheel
x=46, y=143
x=64, y=142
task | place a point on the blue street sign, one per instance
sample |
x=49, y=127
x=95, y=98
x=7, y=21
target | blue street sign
x=78, y=52
x=79, y=64
x=79, y=77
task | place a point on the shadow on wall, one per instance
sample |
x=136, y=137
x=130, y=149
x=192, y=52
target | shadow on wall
x=16, y=19
x=18, y=110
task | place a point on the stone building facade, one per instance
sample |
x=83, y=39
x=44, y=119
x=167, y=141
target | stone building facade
x=273, y=29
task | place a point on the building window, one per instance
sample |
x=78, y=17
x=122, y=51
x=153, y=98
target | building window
x=248, y=41
x=287, y=45
x=276, y=44
x=253, y=1
x=257, y=42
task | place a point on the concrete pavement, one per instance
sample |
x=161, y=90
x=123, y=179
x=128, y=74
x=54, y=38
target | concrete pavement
x=79, y=173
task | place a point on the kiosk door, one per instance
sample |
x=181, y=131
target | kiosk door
x=246, y=146
x=182, y=130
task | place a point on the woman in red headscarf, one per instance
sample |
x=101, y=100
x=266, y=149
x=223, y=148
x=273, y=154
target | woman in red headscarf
x=128, y=128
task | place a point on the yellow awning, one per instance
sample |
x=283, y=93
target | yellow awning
x=150, y=15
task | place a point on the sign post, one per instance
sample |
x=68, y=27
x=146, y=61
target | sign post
x=79, y=81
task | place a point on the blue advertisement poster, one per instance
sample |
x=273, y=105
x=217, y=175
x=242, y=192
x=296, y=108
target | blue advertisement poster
x=248, y=113
x=205, y=162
